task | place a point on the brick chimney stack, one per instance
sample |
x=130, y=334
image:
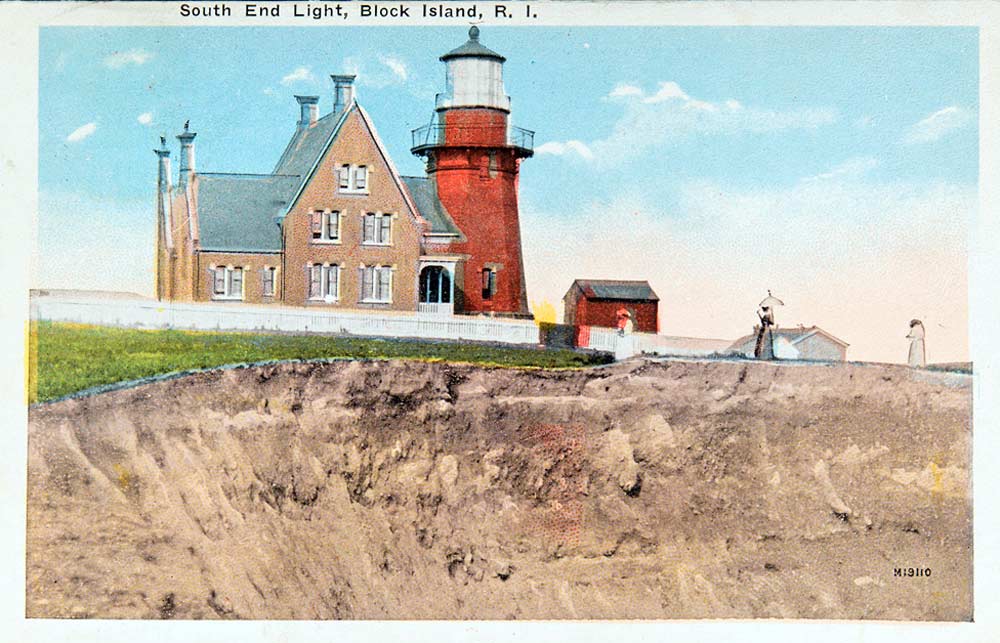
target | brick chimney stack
x=163, y=178
x=309, y=110
x=187, y=154
x=343, y=91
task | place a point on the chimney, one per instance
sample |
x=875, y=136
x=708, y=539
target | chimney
x=309, y=110
x=187, y=154
x=163, y=178
x=343, y=92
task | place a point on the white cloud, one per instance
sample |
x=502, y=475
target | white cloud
x=651, y=121
x=397, y=66
x=667, y=91
x=624, y=89
x=702, y=105
x=854, y=167
x=387, y=71
x=299, y=75
x=81, y=132
x=145, y=118
x=120, y=59
x=557, y=148
x=856, y=257
x=938, y=124
x=865, y=122
x=351, y=65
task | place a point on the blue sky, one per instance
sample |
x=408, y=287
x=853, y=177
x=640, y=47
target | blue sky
x=834, y=165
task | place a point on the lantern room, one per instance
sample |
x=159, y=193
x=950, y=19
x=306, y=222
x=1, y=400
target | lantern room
x=473, y=77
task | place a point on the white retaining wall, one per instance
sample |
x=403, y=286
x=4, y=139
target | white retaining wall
x=139, y=313
x=608, y=339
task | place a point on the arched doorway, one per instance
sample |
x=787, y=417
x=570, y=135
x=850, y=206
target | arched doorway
x=435, y=290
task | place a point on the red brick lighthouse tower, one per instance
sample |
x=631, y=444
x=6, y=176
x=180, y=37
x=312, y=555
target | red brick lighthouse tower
x=473, y=157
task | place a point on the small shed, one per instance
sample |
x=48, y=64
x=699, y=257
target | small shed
x=596, y=302
x=799, y=342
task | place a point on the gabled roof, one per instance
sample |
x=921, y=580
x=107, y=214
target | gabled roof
x=307, y=145
x=423, y=191
x=236, y=211
x=794, y=336
x=239, y=212
x=307, y=148
x=615, y=289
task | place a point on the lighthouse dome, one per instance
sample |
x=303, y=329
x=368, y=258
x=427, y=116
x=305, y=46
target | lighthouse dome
x=472, y=49
x=474, y=77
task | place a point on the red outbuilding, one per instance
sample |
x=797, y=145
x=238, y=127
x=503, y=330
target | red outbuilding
x=599, y=302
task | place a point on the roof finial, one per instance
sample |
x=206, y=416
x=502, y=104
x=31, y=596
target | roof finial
x=474, y=33
x=187, y=124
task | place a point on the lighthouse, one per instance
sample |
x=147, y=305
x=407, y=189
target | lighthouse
x=473, y=156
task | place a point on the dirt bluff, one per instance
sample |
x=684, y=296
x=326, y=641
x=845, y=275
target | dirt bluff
x=411, y=490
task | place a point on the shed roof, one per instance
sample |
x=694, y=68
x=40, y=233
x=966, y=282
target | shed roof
x=615, y=289
x=423, y=191
x=236, y=211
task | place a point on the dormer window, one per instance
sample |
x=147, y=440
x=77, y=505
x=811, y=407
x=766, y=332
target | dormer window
x=352, y=178
x=325, y=227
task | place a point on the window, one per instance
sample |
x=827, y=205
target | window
x=489, y=283
x=227, y=282
x=325, y=227
x=376, y=284
x=268, y=280
x=352, y=178
x=324, y=282
x=377, y=229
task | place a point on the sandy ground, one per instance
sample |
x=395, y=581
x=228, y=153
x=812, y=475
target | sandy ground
x=408, y=490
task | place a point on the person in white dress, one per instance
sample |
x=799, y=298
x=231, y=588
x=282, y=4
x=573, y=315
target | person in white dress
x=918, y=352
x=625, y=347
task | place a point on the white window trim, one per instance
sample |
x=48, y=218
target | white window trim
x=352, y=178
x=228, y=281
x=324, y=279
x=368, y=298
x=274, y=286
x=324, y=220
x=378, y=226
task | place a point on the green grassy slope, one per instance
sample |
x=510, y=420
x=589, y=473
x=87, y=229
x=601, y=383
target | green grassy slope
x=67, y=358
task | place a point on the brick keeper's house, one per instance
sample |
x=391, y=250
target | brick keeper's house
x=335, y=225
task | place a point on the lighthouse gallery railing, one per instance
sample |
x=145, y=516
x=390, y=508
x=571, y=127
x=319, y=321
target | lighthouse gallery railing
x=433, y=135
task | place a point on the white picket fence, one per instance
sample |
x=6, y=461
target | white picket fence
x=140, y=313
x=608, y=339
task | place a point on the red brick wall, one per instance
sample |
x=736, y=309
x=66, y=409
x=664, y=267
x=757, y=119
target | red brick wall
x=603, y=312
x=478, y=186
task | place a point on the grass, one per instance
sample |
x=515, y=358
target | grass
x=68, y=358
